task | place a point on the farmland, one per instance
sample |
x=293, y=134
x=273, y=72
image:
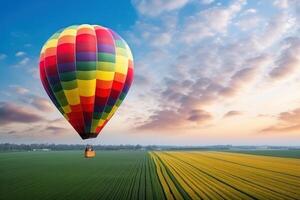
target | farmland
x=218, y=175
x=294, y=153
x=147, y=175
x=67, y=175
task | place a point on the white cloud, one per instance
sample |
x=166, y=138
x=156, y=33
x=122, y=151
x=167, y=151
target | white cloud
x=20, y=54
x=24, y=61
x=208, y=23
x=162, y=39
x=205, y=60
x=288, y=60
x=154, y=8
x=283, y=4
x=19, y=90
x=206, y=2
x=34, y=71
x=248, y=23
x=250, y=11
x=276, y=27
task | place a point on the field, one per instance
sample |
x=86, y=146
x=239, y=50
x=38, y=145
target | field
x=67, y=175
x=294, y=153
x=218, y=175
x=147, y=175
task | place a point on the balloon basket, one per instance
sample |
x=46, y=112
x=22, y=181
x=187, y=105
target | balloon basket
x=89, y=152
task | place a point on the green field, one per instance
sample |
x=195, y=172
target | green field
x=68, y=175
x=277, y=153
x=147, y=175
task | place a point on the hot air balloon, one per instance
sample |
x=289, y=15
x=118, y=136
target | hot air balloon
x=86, y=70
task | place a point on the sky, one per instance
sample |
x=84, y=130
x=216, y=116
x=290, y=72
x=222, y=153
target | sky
x=207, y=72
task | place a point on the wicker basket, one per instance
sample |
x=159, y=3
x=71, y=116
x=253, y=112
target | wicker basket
x=89, y=153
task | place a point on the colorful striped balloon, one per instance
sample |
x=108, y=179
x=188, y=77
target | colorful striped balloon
x=87, y=71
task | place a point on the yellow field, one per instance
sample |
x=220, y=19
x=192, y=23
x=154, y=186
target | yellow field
x=220, y=175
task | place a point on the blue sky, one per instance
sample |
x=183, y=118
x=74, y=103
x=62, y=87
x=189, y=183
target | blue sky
x=207, y=71
x=25, y=26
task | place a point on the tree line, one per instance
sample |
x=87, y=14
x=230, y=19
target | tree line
x=62, y=147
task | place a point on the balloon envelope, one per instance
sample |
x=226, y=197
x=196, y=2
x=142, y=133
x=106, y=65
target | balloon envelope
x=86, y=71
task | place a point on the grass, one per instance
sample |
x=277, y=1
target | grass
x=147, y=175
x=294, y=153
x=68, y=175
x=221, y=175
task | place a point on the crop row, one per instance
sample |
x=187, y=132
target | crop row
x=140, y=182
x=216, y=175
x=111, y=175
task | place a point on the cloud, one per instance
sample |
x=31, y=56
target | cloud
x=277, y=26
x=2, y=56
x=282, y=129
x=57, y=126
x=287, y=122
x=12, y=113
x=42, y=104
x=184, y=99
x=291, y=116
x=281, y=3
x=163, y=119
x=206, y=2
x=11, y=132
x=250, y=11
x=55, y=129
x=154, y=8
x=209, y=22
x=20, y=90
x=232, y=113
x=244, y=76
x=286, y=67
x=178, y=107
x=206, y=58
x=27, y=97
x=141, y=79
x=28, y=45
x=288, y=61
x=34, y=72
x=249, y=20
x=284, y=4
x=162, y=39
x=170, y=119
x=199, y=116
x=20, y=54
x=24, y=61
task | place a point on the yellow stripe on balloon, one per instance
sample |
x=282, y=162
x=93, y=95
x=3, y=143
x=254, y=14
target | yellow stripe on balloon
x=86, y=87
x=121, y=64
x=86, y=26
x=105, y=75
x=72, y=96
x=51, y=43
x=68, y=31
